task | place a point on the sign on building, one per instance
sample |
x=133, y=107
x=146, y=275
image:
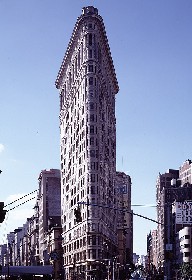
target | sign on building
x=183, y=212
x=122, y=189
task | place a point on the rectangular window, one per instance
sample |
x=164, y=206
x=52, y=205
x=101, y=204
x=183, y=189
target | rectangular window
x=89, y=253
x=91, y=140
x=91, y=106
x=94, y=240
x=89, y=240
x=90, y=53
x=91, y=128
x=90, y=39
x=90, y=81
x=186, y=254
x=90, y=68
x=92, y=177
x=92, y=118
x=93, y=227
x=84, y=241
x=92, y=189
x=93, y=254
x=92, y=153
x=91, y=94
x=92, y=165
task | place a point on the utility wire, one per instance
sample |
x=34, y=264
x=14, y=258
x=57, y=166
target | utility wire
x=151, y=205
x=144, y=217
x=20, y=198
x=120, y=209
x=104, y=206
x=143, y=205
x=21, y=203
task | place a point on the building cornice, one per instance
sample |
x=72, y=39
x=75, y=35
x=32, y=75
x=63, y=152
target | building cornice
x=72, y=43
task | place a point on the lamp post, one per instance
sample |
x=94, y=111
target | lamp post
x=114, y=263
x=113, y=269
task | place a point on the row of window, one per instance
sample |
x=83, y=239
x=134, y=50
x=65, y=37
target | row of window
x=75, y=258
x=79, y=134
x=187, y=236
x=80, y=185
x=81, y=256
x=75, y=245
x=72, y=74
x=76, y=199
x=78, y=244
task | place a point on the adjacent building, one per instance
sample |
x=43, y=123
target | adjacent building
x=185, y=172
x=87, y=84
x=174, y=212
x=125, y=218
x=10, y=248
x=3, y=255
x=49, y=208
x=164, y=200
x=33, y=237
x=136, y=258
x=184, y=245
x=55, y=251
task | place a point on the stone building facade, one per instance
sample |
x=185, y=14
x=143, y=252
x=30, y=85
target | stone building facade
x=87, y=84
x=164, y=199
x=171, y=187
x=185, y=172
x=125, y=218
x=49, y=207
x=33, y=237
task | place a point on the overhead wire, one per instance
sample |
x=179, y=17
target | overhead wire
x=7, y=214
x=21, y=198
x=21, y=203
x=143, y=205
x=120, y=209
x=133, y=205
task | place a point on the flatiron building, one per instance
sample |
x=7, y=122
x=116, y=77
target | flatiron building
x=87, y=86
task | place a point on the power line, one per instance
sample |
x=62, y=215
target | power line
x=144, y=217
x=120, y=209
x=85, y=203
x=143, y=205
x=150, y=205
x=21, y=198
x=21, y=203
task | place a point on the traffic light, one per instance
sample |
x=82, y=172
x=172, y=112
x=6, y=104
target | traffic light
x=77, y=213
x=2, y=212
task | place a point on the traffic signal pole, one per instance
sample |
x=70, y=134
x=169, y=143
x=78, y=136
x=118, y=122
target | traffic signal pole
x=2, y=212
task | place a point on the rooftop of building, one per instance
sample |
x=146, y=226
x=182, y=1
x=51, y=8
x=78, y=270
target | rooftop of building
x=89, y=10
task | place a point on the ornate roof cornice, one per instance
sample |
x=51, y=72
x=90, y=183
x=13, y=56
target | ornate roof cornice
x=80, y=20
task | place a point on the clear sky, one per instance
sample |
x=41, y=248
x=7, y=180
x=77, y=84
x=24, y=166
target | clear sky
x=151, y=46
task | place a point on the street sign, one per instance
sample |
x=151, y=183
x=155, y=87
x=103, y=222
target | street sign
x=169, y=247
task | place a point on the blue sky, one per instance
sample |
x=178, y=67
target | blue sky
x=151, y=47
